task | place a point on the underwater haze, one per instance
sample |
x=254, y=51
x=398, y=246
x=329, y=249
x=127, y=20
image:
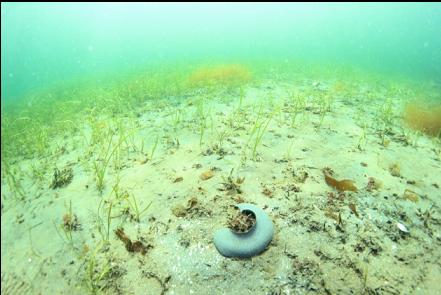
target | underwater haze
x=47, y=42
x=220, y=148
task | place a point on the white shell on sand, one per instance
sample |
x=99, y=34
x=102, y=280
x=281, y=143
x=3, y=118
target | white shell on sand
x=402, y=228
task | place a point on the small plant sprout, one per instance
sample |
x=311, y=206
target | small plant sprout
x=324, y=106
x=201, y=119
x=13, y=181
x=202, y=127
x=95, y=274
x=298, y=104
x=241, y=97
x=100, y=165
x=176, y=119
x=134, y=207
x=154, y=146
x=104, y=221
x=31, y=244
x=221, y=135
x=363, y=138
x=365, y=278
x=258, y=130
x=386, y=112
x=288, y=151
x=70, y=223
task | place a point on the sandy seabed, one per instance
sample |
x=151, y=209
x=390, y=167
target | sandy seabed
x=383, y=238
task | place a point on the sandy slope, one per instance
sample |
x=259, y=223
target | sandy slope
x=311, y=252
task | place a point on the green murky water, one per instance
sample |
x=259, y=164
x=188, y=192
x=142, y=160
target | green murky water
x=47, y=43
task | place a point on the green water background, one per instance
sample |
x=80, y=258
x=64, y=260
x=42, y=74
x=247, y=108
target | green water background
x=45, y=43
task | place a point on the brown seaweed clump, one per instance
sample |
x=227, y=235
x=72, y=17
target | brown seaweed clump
x=231, y=185
x=135, y=246
x=181, y=210
x=373, y=184
x=191, y=209
x=61, y=178
x=423, y=117
x=71, y=222
x=242, y=221
x=340, y=185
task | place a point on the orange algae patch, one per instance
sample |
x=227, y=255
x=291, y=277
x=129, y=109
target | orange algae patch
x=223, y=74
x=423, y=117
x=339, y=86
x=342, y=185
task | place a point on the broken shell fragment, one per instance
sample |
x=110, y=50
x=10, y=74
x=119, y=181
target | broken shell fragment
x=206, y=175
x=402, y=228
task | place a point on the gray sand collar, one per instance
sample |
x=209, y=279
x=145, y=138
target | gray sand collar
x=254, y=242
